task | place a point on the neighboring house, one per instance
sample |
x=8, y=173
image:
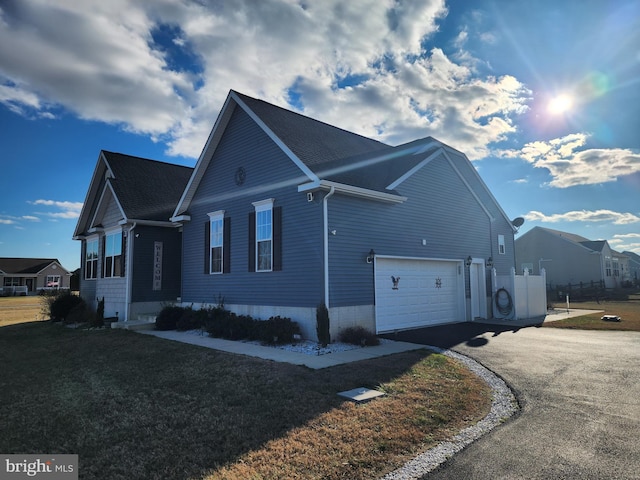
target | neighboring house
x=131, y=251
x=283, y=213
x=634, y=267
x=32, y=275
x=570, y=259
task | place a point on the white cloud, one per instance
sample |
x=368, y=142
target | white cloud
x=6, y=221
x=617, y=218
x=67, y=210
x=570, y=167
x=99, y=60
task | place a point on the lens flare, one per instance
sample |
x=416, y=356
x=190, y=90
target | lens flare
x=560, y=104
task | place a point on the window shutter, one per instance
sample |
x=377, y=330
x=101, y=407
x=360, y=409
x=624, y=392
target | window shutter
x=252, y=241
x=207, y=248
x=123, y=255
x=277, y=238
x=226, y=246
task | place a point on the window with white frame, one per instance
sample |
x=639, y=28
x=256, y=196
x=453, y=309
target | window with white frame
x=216, y=242
x=607, y=266
x=53, y=281
x=264, y=235
x=91, y=259
x=501, y=246
x=113, y=255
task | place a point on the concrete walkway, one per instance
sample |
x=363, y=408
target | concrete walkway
x=278, y=355
x=337, y=358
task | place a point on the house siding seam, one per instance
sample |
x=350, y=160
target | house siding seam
x=269, y=174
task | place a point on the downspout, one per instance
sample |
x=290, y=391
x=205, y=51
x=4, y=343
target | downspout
x=129, y=272
x=325, y=215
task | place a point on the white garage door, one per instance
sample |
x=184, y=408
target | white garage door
x=414, y=293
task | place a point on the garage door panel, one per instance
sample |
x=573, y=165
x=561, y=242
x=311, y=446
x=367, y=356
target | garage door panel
x=429, y=292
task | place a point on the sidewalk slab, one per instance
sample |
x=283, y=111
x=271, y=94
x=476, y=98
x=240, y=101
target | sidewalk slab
x=315, y=362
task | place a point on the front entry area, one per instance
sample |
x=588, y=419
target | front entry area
x=417, y=292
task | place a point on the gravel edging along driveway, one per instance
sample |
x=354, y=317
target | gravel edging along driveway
x=503, y=406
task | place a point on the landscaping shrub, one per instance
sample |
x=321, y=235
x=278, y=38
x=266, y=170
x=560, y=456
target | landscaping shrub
x=216, y=323
x=277, y=330
x=97, y=320
x=62, y=305
x=80, y=313
x=322, y=325
x=359, y=336
x=168, y=317
x=187, y=320
x=221, y=323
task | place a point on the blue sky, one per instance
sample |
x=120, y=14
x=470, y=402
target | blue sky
x=543, y=97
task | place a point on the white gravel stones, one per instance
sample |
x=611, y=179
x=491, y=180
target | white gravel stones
x=504, y=405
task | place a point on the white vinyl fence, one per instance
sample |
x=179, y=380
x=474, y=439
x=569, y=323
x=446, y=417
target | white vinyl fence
x=518, y=297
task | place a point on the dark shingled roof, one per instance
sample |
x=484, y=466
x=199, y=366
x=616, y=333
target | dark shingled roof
x=147, y=189
x=312, y=141
x=25, y=265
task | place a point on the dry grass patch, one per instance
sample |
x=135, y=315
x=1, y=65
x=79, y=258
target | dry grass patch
x=628, y=311
x=21, y=309
x=138, y=407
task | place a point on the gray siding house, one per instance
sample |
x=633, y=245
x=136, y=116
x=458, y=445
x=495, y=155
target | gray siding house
x=570, y=259
x=25, y=276
x=283, y=213
x=131, y=251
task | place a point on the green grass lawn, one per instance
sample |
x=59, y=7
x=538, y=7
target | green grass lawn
x=138, y=407
x=628, y=311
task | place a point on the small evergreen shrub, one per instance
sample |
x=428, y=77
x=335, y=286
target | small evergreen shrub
x=277, y=330
x=97, y=320
x=62, y=305
x=322, y=325
x=216, y=323
x=221, y=323
x=168, y=317
x=187, y=320
x=81, y=313
x=359, y=336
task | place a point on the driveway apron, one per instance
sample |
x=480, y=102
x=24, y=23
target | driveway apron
x=580, y=398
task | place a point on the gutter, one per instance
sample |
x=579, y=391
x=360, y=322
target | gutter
x=129, y=272
x=325, y=218
x=360, y=192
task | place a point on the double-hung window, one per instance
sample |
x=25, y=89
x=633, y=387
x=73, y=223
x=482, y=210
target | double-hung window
x=53, y=281
x=113, y=255
x=264, y=235
x=216, y=242
x=91, y=259
x=501, y=245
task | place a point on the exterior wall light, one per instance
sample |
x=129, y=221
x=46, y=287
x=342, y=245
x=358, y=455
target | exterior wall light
x=469, y=260
x=490, y=262
x=371, y=256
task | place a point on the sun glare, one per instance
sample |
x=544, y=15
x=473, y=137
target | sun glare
x=560, y=104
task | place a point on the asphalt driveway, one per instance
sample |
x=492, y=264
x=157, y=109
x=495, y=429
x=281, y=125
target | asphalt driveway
x=580, y=397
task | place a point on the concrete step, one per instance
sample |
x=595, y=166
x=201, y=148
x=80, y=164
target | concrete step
x=145, y=324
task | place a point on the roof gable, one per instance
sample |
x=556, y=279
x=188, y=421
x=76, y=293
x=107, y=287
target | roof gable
x=24, y=266
x=143, y=189
x=331, y=157
x=310, y=144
